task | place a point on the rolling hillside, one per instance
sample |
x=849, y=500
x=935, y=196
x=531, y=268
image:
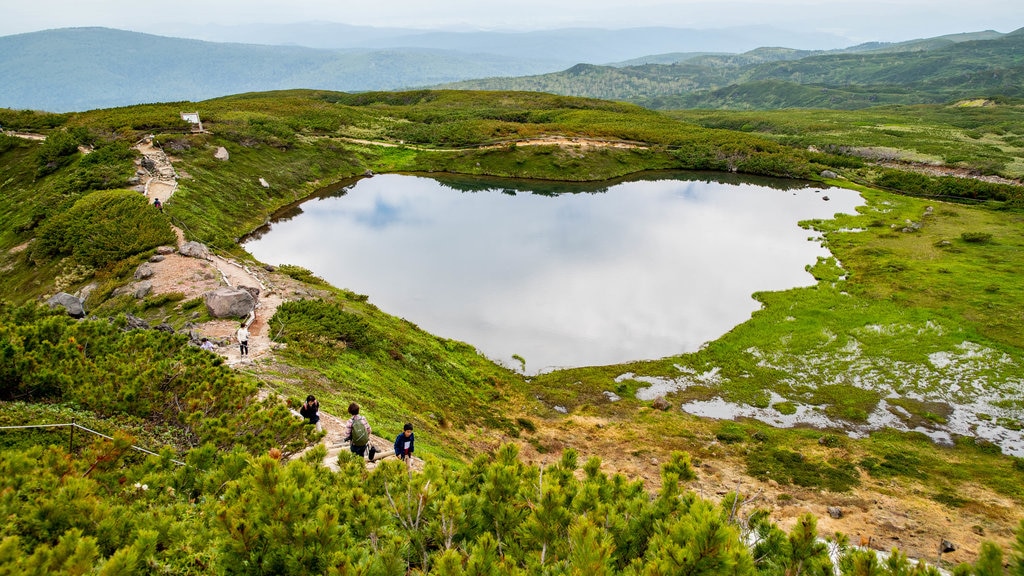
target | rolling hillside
x=86, y=68
x=923, y=71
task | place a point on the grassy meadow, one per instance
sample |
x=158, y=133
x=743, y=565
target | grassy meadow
x=914, y=321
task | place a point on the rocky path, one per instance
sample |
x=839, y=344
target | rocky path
x=194, y=277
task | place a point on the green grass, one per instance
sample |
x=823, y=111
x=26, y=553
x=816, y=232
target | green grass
x=894, y=314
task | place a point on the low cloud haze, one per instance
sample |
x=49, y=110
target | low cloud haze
x=855, y=21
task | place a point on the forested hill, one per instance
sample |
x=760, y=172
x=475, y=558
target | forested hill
x=88, y=68
x=923, y=71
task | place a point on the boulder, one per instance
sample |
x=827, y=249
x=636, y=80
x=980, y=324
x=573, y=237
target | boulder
x=148, y=163
x=135, y=323
x=229, y=303
x=165, y=250
x=221, y=153
x=254, y=291
x=70, y=303
x=144, y=271
x=835, y=512
x=660, y=403
x=195, y=250
x=157, y=258
x=829, y=174
x=142, y=289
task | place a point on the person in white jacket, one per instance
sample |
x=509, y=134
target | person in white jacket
x=243, y=339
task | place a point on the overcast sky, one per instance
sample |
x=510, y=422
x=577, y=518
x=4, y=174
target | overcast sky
x=860, y=21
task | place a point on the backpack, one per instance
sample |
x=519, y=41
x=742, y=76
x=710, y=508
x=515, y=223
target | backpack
x=360, y=435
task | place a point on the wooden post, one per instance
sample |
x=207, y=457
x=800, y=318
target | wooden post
x=71, y=443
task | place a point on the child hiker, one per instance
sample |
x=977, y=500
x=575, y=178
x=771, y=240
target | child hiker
x=357, y=432
x=405, y=443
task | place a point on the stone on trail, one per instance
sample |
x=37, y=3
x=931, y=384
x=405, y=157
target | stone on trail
x=195, y=250
x=142, y=289
x=229, y=302
x=144, y=271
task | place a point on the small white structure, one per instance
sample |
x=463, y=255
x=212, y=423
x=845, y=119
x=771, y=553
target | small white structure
x=193, y=118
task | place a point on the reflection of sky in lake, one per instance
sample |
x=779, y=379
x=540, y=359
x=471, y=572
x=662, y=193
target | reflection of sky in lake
x=645, y=270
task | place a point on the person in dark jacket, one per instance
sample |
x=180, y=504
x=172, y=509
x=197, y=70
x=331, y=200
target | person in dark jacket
x=309, y=411
x=405, y=443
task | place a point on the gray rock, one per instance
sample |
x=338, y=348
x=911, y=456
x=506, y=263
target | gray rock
x=221, y=153
x=835, y=512
x=264, y=183
x=195, y=250
x=947, y=546
x=165, y=250
x=561, y=410
x=829, y=174
x=144, y=271
x=70, y=303
x=164, y=327
x=368, y=173
x=85, y=291
x=255, y=292
x=229, y=303
x=157, y=258
x=142, y=289
x=135, y=323
x=612, y=396
x=660, y=403
x=148, y=163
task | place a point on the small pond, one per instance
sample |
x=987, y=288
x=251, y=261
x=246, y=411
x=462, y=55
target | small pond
x=560, y=274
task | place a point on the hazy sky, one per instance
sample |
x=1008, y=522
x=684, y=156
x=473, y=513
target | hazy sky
x=859, y=20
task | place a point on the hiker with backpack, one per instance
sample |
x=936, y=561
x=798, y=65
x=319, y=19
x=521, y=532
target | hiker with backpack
x=357, y=432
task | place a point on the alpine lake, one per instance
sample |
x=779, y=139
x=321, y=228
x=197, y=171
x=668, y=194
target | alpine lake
x=545, y=275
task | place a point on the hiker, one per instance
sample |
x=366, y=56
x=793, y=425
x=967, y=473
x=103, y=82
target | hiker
x=206, y=345
x=405, y=443
x=243, y=339
x=357, y=432
x=158, y=205
x=309, y=411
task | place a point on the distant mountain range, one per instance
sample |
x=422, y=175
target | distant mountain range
x=85, y=68
x=919, y=71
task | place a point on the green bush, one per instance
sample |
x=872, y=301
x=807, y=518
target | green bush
x=976, y=237
x=317, y=320
x=103, y=228
x=788, y=467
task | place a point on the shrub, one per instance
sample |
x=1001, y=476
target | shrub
x=103, y=228
x=976, y=237
x=731, y=433
x=319, y=320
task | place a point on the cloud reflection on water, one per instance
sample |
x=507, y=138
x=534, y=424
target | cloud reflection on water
x=646, y=269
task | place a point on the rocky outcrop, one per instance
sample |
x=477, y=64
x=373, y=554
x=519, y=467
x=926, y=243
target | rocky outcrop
x=142, y=289
x=195, y=250
x=229, y=302
x=70, y=303
x=135, y=323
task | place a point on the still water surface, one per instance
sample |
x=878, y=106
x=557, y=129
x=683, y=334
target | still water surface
x=561, y=275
